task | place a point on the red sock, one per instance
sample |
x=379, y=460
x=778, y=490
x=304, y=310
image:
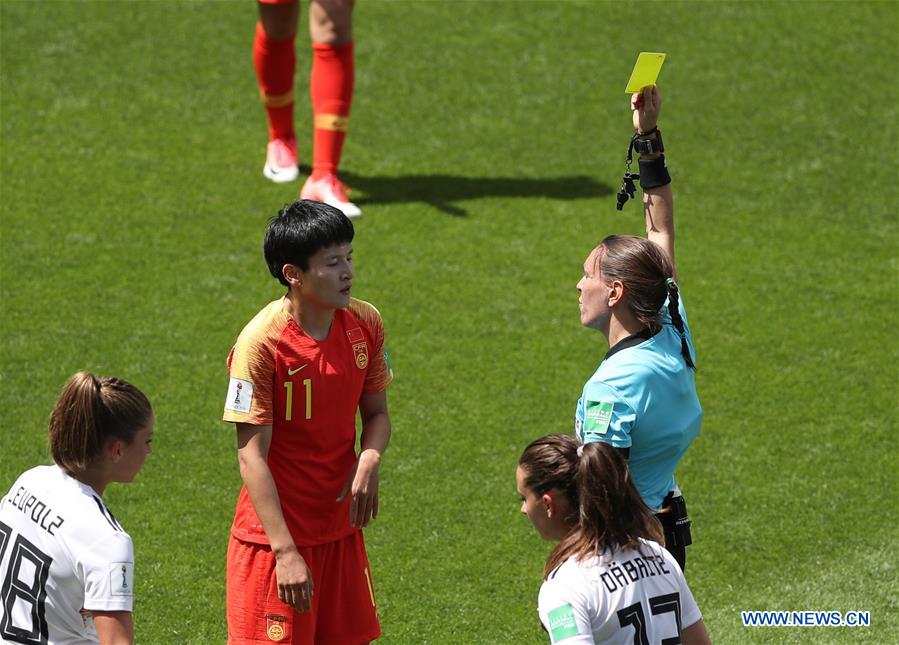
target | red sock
x=331, y=89
x=275, y=61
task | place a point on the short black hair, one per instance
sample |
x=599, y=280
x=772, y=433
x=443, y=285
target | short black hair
x=299, y=231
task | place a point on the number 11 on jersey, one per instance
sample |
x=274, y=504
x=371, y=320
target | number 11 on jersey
x=307, y=385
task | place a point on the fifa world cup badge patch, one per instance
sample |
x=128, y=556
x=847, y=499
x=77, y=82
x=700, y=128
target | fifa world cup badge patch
x=598, y=416
x=240, y=395
x=387, y=363
x=121, y=578
x=562, y=623
x=275, y=627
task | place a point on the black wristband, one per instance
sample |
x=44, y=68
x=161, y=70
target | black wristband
x=649, y=146
x=654, y=173
x=637, y=133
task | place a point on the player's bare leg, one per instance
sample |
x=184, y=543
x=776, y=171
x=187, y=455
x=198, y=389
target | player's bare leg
x=331, y=21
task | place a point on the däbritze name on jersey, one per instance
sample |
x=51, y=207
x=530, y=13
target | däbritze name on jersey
x=637, y=568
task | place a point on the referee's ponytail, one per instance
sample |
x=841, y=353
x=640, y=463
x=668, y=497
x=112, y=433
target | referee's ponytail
x=89, y=412
x=674, y=310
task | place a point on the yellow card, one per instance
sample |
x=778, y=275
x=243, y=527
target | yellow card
x=646, y=71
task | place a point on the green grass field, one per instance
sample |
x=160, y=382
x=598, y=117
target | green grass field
x=486, y=146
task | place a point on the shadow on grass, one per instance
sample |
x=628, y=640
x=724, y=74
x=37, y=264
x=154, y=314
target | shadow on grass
x=441, y=191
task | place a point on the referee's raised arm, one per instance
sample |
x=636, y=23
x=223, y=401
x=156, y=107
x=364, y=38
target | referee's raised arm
x=658, y=200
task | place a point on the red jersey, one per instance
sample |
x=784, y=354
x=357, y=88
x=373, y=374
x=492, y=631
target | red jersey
x=308, y=390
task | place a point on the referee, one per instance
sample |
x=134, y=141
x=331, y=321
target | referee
x=642, y=398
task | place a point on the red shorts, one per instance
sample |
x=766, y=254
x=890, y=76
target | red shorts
x=343, y=605
x=277, y=1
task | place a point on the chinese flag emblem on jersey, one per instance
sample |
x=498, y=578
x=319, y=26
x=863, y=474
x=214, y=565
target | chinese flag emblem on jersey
x=274, y=627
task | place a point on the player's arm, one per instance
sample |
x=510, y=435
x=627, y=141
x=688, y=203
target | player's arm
x=362, y=483
x=564, y=613
x=695, y=634
x=658, y=203
x=295, y=583
x=114, y=627
x=603, y=415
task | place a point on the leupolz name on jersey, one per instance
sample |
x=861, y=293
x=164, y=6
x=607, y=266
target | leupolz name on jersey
x=32, y=507
x=642, y=566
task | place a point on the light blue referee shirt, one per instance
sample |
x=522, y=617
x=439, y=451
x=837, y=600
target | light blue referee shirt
x=643, y=397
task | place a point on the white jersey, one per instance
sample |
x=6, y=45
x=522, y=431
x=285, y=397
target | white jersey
x=62, y=555
x=633, y=596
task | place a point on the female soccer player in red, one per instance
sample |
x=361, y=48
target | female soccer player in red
x=300, y=370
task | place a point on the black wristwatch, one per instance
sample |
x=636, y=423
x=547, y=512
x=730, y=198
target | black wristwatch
x=649, y=146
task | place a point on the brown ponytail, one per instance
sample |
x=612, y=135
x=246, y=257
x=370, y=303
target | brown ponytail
x=642, y=267
x=678, y=322
x=647, y=275
x=90, y=411
x=598, y=484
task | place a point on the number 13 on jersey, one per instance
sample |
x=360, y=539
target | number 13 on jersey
x=288, y=411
